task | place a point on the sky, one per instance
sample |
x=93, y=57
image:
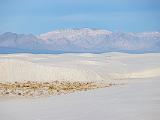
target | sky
x=40, y=16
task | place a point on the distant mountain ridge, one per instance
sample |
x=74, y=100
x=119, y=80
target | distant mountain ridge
x=80, y=40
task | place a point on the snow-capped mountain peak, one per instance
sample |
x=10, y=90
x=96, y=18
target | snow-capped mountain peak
x=70, y=33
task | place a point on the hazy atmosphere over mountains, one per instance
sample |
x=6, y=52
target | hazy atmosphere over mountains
x=80, y=40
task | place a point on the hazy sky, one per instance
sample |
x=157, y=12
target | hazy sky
x=38, y=16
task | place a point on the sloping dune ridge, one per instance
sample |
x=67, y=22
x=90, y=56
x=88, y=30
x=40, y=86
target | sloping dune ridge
x=78, y=67
x=16, y=70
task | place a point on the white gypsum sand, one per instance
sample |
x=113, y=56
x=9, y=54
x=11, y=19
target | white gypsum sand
x=138, y=99
x=78, y=67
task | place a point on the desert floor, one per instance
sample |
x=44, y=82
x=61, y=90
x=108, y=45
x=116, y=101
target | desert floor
x=137, y=98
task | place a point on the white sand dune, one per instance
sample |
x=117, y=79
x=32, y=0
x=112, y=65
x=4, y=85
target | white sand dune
x=16, y=70
x=137, y=100
x=139, y=74
x=78, y=67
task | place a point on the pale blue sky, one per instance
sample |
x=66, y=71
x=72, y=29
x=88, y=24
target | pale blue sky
x=39, y=16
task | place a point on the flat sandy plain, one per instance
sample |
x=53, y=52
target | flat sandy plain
x=137, y=99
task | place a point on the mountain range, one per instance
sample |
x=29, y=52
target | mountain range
x=80, y=40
